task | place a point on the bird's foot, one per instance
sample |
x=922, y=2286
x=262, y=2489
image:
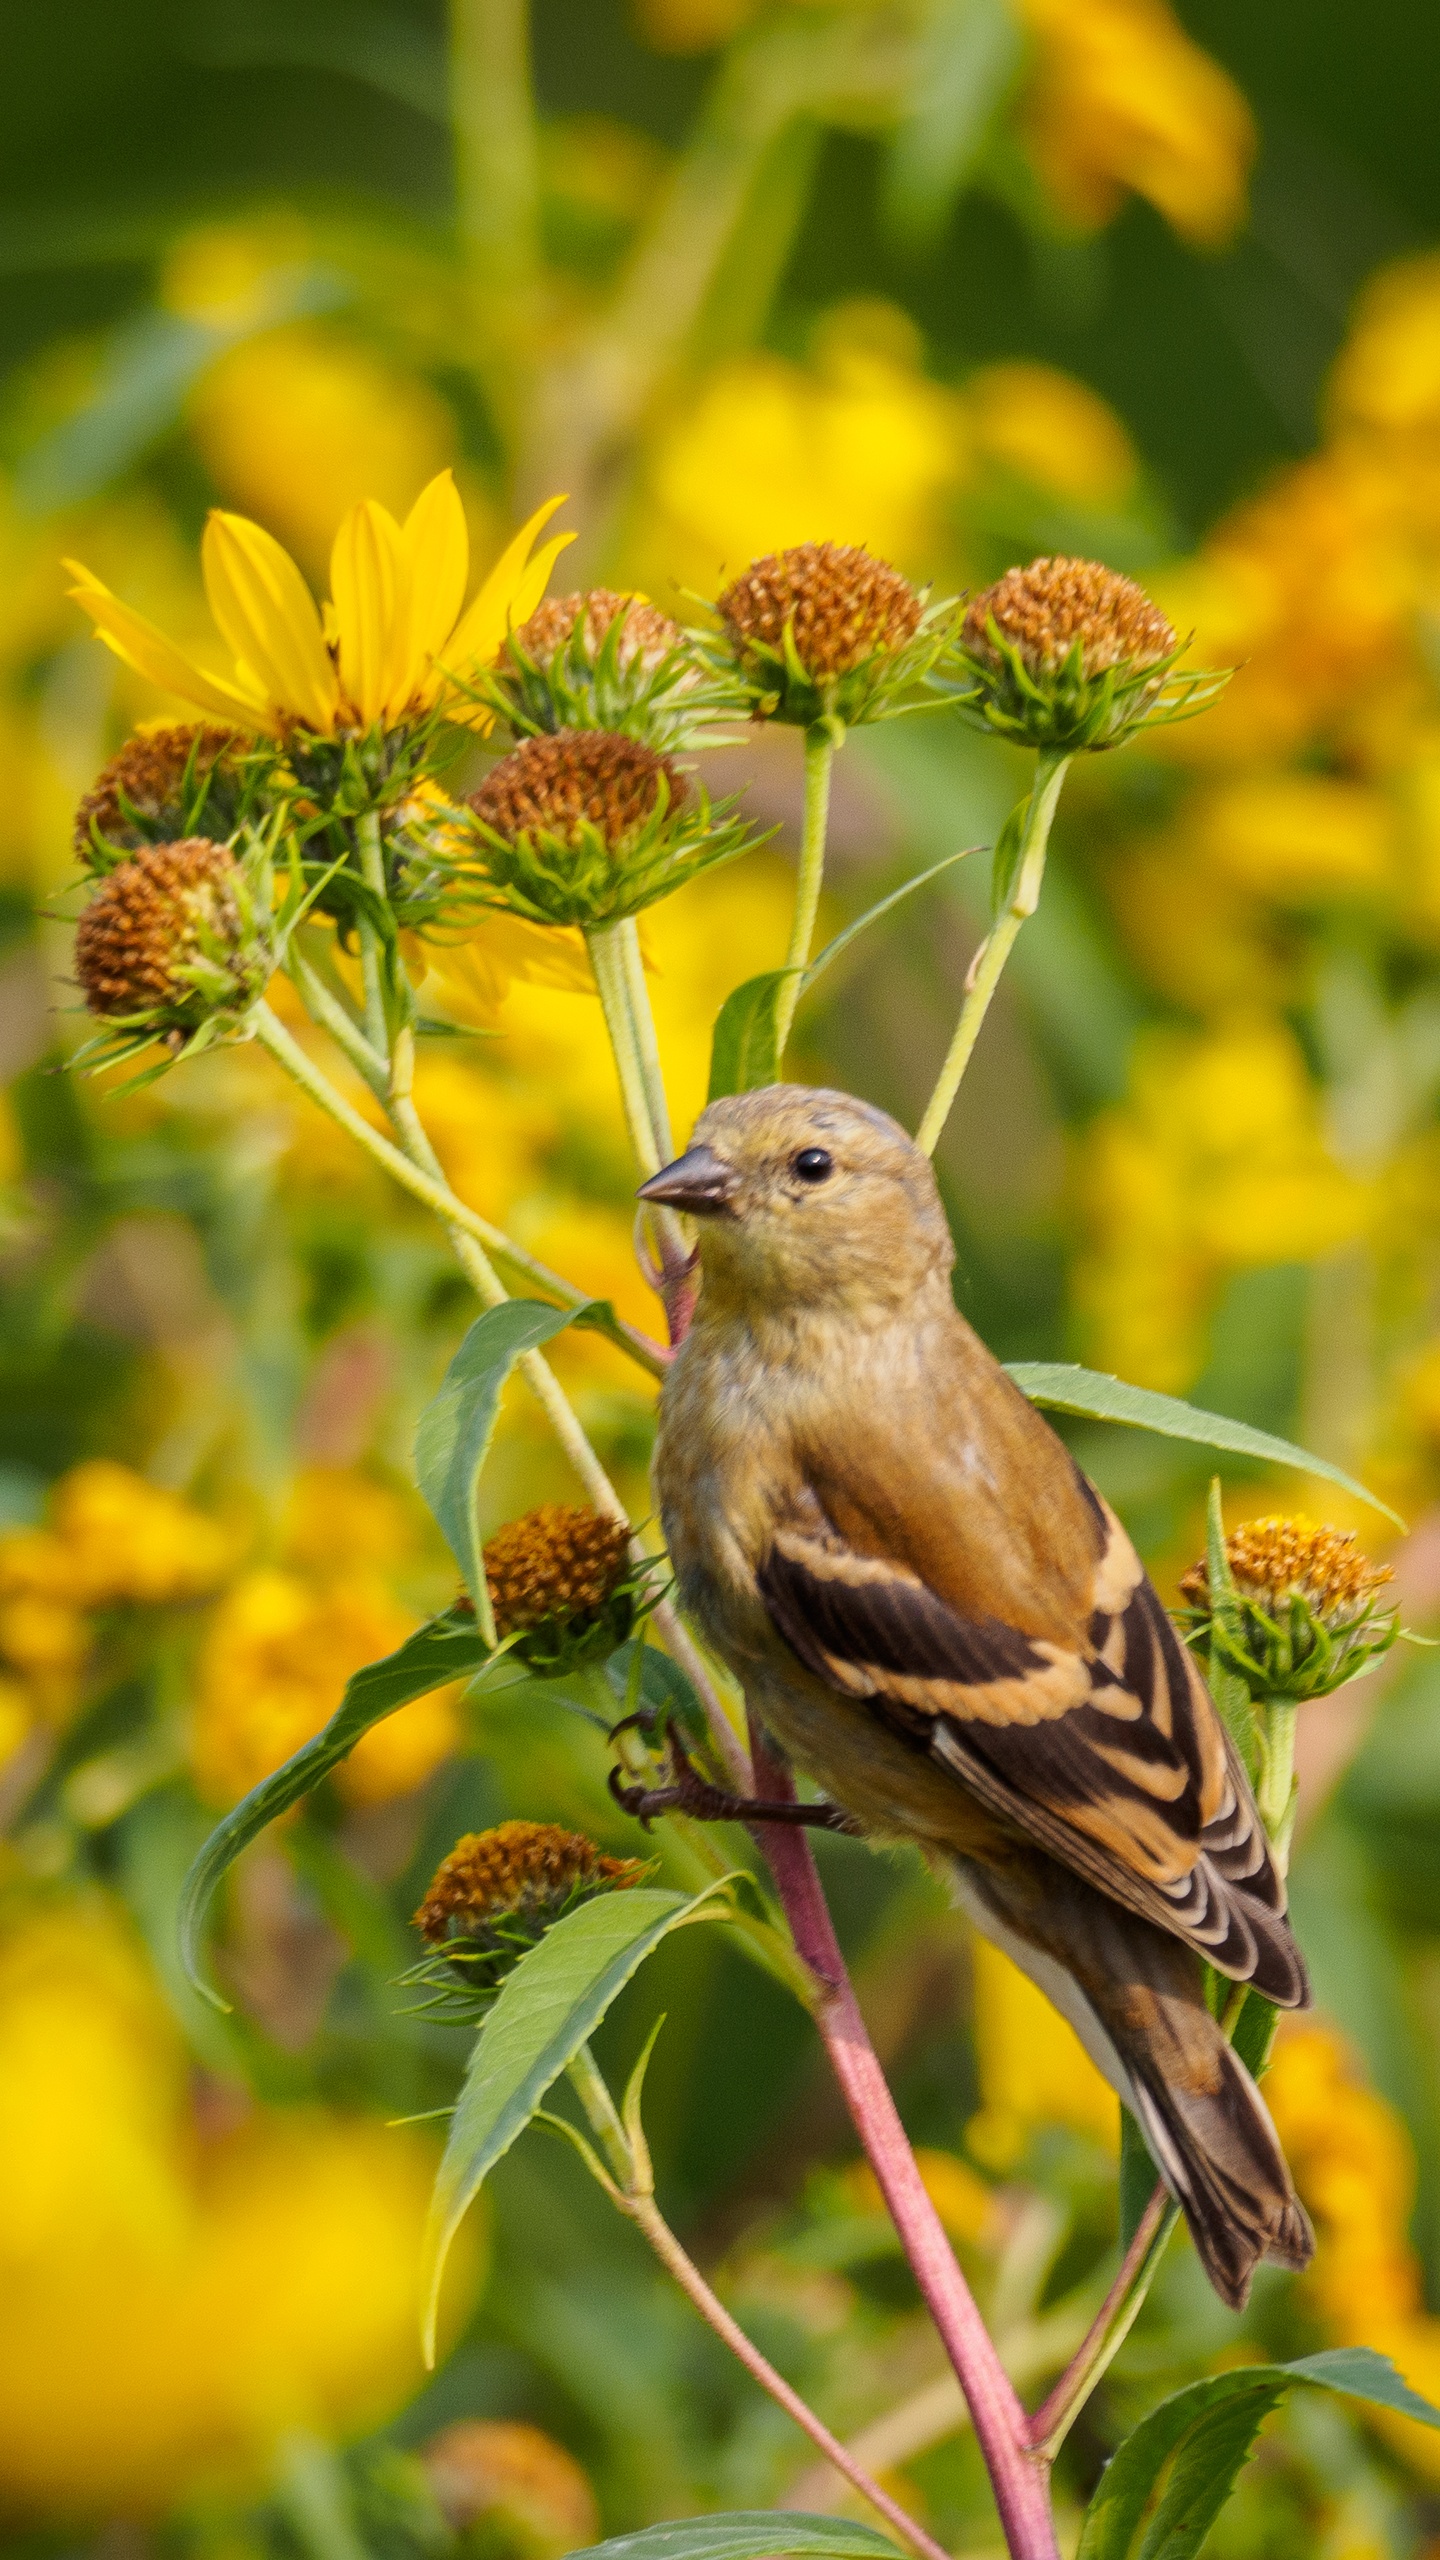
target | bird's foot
x=689, y=1792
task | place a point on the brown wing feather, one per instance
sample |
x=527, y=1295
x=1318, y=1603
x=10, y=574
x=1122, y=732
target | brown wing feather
x=1107, y=1752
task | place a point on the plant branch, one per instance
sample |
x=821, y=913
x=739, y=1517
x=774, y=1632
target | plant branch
x=1110, y=2327
x=433, y=1192
x=372, y=872
x=647, y=1045
x=497, y=180
x=988, y=964
x=1018, y=2476
x=620, y=983
x=632, y=2190
x=819, y=761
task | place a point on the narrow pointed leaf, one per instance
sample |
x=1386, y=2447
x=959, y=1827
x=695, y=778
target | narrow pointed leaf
x=555, y=1998
x=746, y=2537
x=745, y=1044
x=1103, y=1399
x=842, y=940
x=449, y=1648
x=456, y=1427
x=1169, y=2480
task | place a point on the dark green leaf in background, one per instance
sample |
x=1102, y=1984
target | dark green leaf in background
x=745, y=2537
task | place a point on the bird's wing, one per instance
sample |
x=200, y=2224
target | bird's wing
x=1108, y=1752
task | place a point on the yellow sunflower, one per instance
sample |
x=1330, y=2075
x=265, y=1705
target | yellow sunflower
x=392, y=642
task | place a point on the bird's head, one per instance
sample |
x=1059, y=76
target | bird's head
x=806, y=1197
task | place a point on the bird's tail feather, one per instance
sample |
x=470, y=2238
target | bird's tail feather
x=1220, y=2156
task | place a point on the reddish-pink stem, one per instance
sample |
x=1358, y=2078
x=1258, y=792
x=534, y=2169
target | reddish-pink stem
x=1019, y=2477
x=1105, y=2333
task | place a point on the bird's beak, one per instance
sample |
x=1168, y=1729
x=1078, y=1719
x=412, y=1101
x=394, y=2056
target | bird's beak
x=699, y=1181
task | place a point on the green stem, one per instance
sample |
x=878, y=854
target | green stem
x=647, y=1045
x=372, y=872
x=989, y=962
x=425, y=1183
x=332, y=1016
x=608, y=960
x=819, y=761
x=601, y=2114
x=1275, y=1793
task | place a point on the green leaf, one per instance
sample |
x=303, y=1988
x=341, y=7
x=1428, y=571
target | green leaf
x=1228, y=1690
x=449, y=1648
x=554, y=1999
x=456, y=1427
x=745, y=1046
x=1169, y=2480
x=1104, y=1399
x=1138, y=2174
x=744, y=2536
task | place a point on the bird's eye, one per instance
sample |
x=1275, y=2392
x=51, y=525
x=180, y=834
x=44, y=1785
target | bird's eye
x=813, y=1164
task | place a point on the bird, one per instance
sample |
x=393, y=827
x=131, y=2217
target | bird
x=938, y=1619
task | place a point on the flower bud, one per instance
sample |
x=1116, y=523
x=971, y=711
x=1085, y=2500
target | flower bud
x=605, y=661
x=158, y=788
x=1305, y=1614
x=498, y=1892
x=169, y=947
x=826, y=634
x=589, y=825
x=1068, y=654
x=565, y=1586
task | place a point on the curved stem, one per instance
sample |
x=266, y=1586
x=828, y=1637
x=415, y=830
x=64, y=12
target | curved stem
x=617, y=966
x=433, y=1192
x=1019, y=2475
x=647, y=1045
x=607, y=960
x=632, y=2189
x=988, y=964
x=1110, y=2327
x=819, y=760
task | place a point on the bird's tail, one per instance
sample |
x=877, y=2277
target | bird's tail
x=1210, y=2135
x=1135, y=1997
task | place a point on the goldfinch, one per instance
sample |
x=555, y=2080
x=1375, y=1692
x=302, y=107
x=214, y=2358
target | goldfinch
x=938, y=1619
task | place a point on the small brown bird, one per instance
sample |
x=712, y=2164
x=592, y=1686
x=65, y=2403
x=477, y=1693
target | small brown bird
x=940, y=1620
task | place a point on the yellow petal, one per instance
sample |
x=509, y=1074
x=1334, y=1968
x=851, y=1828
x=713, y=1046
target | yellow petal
x=438, y=545
x=269, y=617
x=139, y=645
x=509, y=594
x=370, y=582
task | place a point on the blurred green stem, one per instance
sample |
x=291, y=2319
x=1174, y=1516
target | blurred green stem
x=819, y=761
x=630, y=2186
x=372, y=871
x=619, y=972
x=497, y=181
x=988, y=964
x=426, y=1183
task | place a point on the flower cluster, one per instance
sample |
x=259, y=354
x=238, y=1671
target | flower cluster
x=1066, y=654
x=499, y=1891
x=1305, y=1613
x=824, y=635
x=565, y=1587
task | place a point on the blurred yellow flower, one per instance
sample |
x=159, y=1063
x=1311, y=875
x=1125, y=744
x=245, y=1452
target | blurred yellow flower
x=966, y=2206
x=173, y=2303
x=1042, y=426
x=387, y=645
x=1294, y=837
x=1214, y=1163
x=855, y=447
x=1354, y=2165
x=1119, y=98
x=128, y=1540
x=277, y=1655
x=1387, y=375
x=340, y=1521
x=298, y=427
x=1034, y=2070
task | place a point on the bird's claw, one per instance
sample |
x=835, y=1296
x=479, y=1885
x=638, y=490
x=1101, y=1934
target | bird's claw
x=689, y=1792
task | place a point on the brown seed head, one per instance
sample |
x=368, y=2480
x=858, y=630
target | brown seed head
x=503, y=2469
x=1043, y=609
x=647, y=638
x=1274, y=1561
x=556, y=1562
x=841, y=604
x=145, y=921
x=555, y=784
x=522, y=1871
x=147, y=773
